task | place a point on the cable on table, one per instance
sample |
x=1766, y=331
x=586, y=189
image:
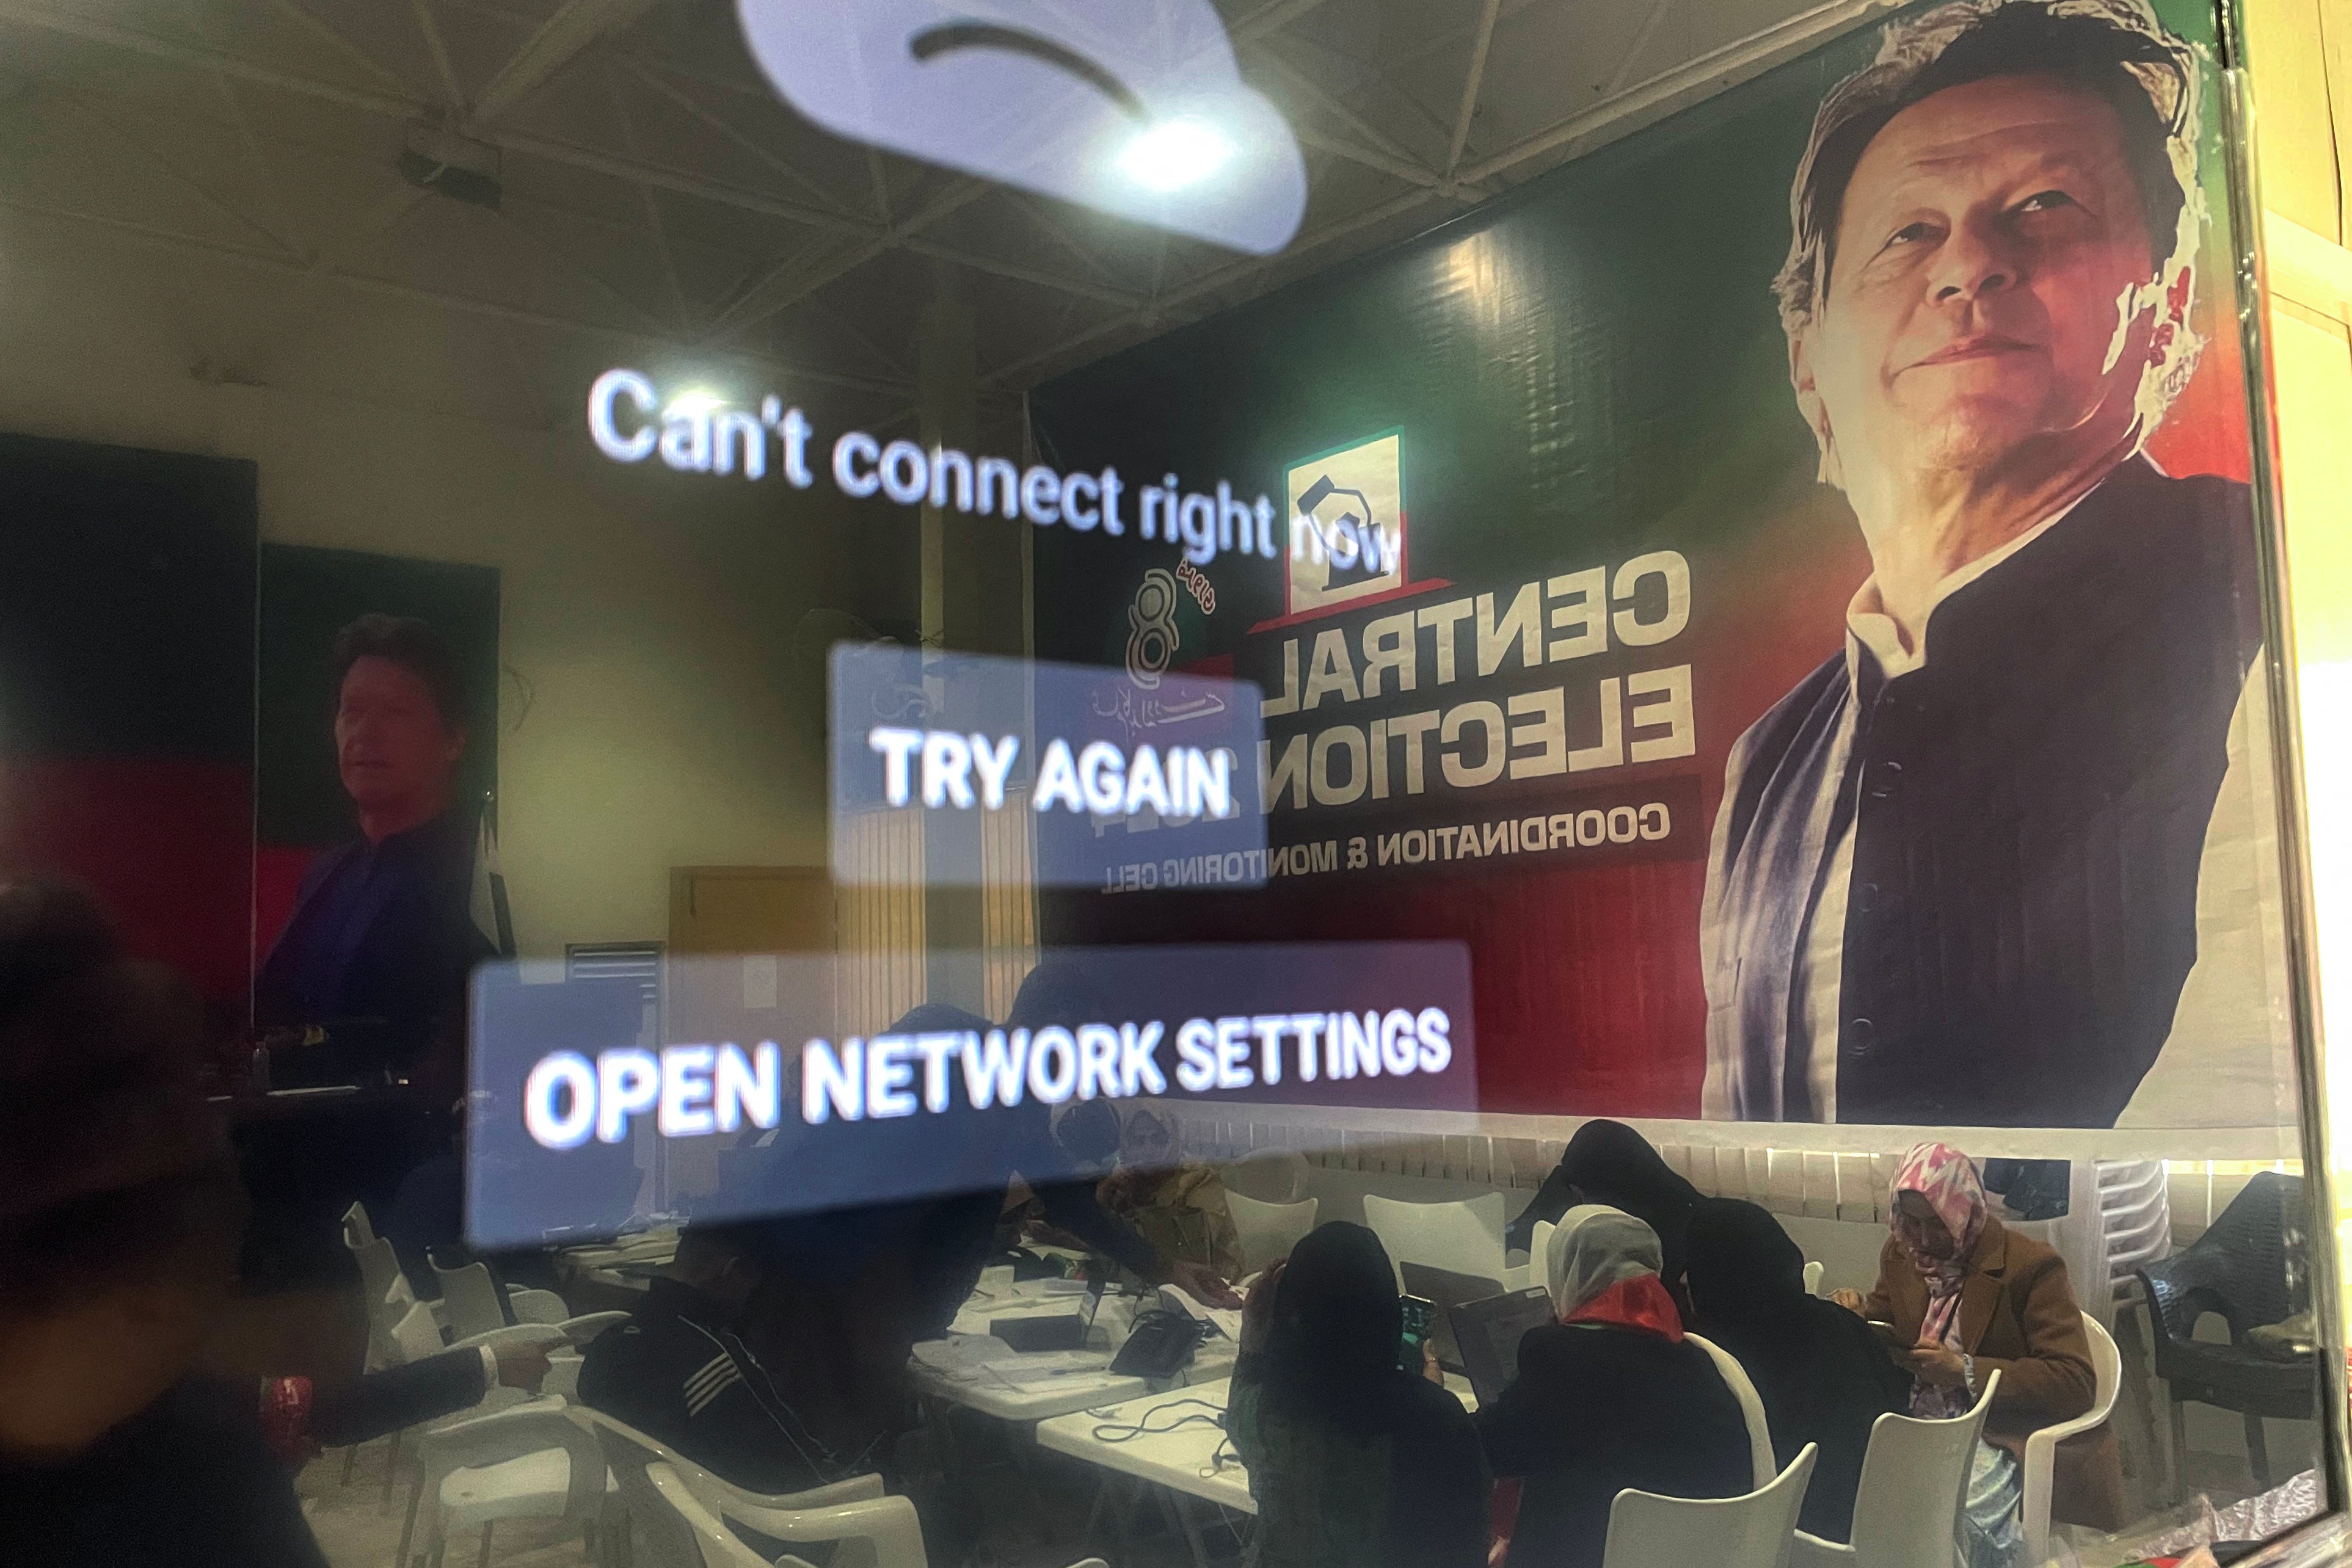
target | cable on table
x=1205, y=1414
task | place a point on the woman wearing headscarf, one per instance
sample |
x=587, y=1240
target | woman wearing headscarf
x=1178, y=1205
x=1971, y=1297
x=1609, y=1162
x=1612, y=1397
x=1823, y=1376
x=1352, y=1461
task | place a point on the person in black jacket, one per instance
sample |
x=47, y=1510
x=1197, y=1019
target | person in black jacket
x=1352, y=1460
x=1823, y=1376
x=676, y=1372
x=1612, y=1397
x=1609, y=1162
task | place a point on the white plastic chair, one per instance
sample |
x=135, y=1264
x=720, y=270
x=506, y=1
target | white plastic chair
x=2134, y=1222
x=383, y=1285
x=1751, y=1405
x=527, y=1462
x=1465, y=1236
x=1908, y=1503
x=562, y=1378
x=1269, y=1176
x=721, y=1550
x=390, y=1303
x=1646, y=1531
x=478, y=1473
x=358, y=1231
x=1534, y=1271
x=855, y=1510
x=1268, y=1231
x=2041, y=1448
x=1813, y=1273
x=469, y=1301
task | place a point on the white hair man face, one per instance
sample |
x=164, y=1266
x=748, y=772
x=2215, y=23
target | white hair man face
x=1991, y=326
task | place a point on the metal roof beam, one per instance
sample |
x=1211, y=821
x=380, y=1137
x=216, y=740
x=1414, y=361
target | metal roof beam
x=393, y=289
x=558, y=42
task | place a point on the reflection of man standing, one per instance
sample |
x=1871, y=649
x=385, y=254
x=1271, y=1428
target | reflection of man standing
x=381, y=939
x=1953, y=877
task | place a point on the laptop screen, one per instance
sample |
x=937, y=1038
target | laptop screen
x=1489, y=1333
x=1447, y=1290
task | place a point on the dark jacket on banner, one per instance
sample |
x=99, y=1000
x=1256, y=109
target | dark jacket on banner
x=380, y=946
x=2029, y=810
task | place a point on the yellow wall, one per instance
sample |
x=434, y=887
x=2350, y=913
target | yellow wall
x=2300, y=56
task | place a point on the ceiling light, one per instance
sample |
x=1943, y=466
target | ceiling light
x=693, y=404
x=1175, y=153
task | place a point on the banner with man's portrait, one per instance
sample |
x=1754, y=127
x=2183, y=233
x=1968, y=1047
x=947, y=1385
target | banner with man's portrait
x=1783, y=588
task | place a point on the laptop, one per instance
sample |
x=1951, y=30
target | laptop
x=1445, y=1289
x=1056, y=1331
x=1489, y=1333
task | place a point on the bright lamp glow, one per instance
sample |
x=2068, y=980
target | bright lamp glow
x=1175, y=153
x=693, y=403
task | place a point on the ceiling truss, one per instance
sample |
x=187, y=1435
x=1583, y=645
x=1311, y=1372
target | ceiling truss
x=804, y=254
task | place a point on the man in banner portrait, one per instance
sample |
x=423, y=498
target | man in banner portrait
x=1954, y=876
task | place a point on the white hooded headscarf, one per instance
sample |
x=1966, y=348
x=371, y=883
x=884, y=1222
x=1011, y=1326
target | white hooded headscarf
x=1596, y=1247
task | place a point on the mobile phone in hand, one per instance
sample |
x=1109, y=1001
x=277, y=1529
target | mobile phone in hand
x=1418, y=1313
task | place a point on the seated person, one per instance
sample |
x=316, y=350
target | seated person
x=1823, y=1376
x=1969, y=1296
x=1610, y=1396
x=120, y=1214
x=676, y=1372
x=1179, y=1207
x=912, y=1221
x=1352, y=1459
x=1609, y=1162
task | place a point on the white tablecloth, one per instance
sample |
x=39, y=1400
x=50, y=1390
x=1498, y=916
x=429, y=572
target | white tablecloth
x=973, y=1368
x=1185, y=1457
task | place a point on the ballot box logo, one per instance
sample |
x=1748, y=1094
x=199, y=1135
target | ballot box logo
x=1132, y=106
x=1347, y=523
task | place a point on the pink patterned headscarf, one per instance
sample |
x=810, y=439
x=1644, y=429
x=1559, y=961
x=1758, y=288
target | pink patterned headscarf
x=1947, y=1180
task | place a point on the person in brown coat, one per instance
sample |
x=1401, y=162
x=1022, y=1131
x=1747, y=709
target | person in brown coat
x=1969, y=1297
x=1178, y=1206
